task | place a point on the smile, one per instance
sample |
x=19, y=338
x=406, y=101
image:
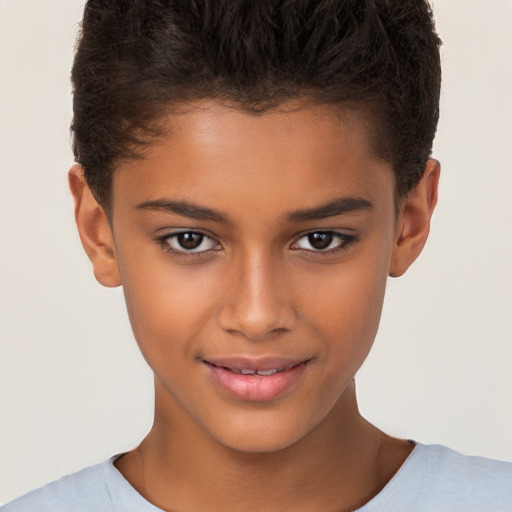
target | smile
x=253, y=380
x=250, y=371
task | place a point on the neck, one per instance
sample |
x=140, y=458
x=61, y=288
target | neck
x=341, y=464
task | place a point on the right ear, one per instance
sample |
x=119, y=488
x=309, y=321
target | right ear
x=94, y=229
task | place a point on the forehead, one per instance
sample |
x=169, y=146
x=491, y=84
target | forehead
x=289, y=156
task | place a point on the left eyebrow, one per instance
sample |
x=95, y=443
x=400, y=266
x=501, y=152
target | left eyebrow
x=185, y=209
x=333, y=208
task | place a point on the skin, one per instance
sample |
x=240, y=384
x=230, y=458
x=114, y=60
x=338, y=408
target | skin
x=257, y=288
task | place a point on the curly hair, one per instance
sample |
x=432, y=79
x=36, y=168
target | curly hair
x=136, y=60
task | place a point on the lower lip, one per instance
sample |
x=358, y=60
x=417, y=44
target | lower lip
x=256, y=388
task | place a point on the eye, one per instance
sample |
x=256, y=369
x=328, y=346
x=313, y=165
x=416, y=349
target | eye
x=189, y=242
x=323, y=241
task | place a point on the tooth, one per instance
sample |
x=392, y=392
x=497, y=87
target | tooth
x=267, y=372
x=247, y=372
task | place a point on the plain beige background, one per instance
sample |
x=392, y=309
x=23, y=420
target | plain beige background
x=74, y=389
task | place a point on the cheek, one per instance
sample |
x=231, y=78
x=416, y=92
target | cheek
x=346, y=310
x=167, y=304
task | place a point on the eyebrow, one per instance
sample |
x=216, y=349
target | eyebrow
x=185, y=209
x=333, y=208
x=339, y=206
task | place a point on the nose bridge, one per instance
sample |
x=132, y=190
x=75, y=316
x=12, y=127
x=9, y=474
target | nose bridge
x=258, y=303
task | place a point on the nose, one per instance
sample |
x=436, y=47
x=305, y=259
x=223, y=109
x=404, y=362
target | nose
x=258, y=302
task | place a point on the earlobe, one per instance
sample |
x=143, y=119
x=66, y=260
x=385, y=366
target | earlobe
x=413, y=224
x=94, y=229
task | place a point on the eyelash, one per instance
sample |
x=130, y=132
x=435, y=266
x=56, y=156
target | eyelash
x=164, y=242
x=345, y=242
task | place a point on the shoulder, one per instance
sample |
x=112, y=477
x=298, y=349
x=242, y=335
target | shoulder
x=437, y=478
x=98, y=488
x=84, y=490
x=469, y=482
x=468, y=470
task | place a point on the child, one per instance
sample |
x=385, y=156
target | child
x=251, y=173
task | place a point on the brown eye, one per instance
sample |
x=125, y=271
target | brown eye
x=325, y=242
x=320, y=240
x=189, y=242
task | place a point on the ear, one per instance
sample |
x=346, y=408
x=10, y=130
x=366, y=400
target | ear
x=413, y=224
x=94, y=230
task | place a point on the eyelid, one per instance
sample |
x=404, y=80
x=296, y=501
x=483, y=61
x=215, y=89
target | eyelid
x=346, y=239
x=162, y=240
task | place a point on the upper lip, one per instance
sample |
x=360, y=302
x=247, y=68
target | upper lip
x=238, y=363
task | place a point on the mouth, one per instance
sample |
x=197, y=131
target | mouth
x=256, y=380
x=251, y=371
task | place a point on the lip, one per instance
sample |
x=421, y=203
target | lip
x=226, y=373
x=254, y=363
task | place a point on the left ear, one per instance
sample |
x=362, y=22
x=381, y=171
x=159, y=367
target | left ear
x=413, y=224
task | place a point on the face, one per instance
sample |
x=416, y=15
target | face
x=254, y=251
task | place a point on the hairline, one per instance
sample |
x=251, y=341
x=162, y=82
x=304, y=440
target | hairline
x=157, y=128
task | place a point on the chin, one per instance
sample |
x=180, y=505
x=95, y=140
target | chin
x=260, y=436
x=261, y=445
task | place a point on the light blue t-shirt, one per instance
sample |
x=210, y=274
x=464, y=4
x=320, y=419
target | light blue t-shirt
x=432, y=479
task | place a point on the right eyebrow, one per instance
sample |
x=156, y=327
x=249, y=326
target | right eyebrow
x=338, y=206
x=185, y=209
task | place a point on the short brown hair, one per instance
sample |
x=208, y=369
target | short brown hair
x=136, y=59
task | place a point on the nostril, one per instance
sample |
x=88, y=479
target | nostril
x=253, y=335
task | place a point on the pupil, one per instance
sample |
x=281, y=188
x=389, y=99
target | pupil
x=190, y=240
x=320, y=240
